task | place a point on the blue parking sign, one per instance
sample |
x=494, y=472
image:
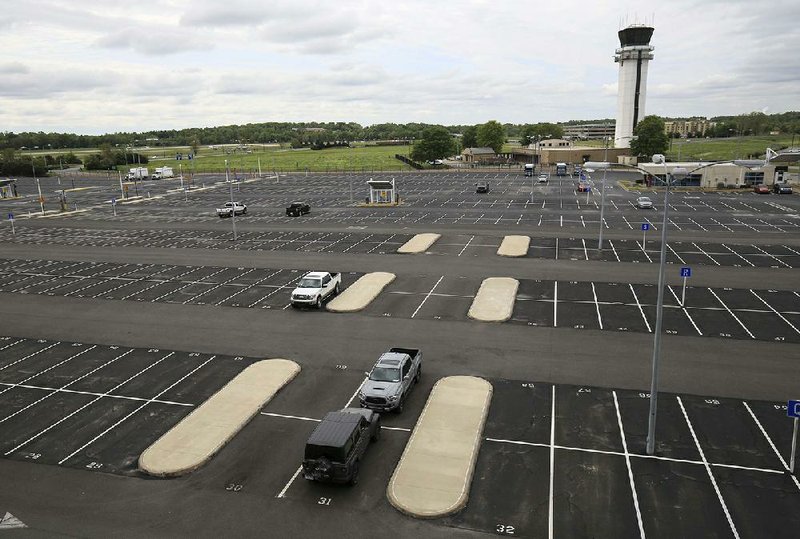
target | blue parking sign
x=793, y=410
x=645, y=226
x=686, y=272
x=10, y=216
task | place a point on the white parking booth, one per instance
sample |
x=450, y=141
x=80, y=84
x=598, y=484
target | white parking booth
x=382, y=192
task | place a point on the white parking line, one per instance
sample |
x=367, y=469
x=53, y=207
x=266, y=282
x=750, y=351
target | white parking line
x=585, y=252
x=611, y=243
x=774, y=311
x=220, y=302
x=708, y=469
x=731, y=313
x=628, y=464
x=678, y=302
x=203, y=293
x=555, y=304
x=29, y=356
x=282, y=493
x=737, y=254
x=465, y=246
x=597, y=307
x=772, y=256
x=381, y=243
x=772, y=445
x=646, y=323
x=51, y=367
x=705, y=253
x=676, y=254
x=86, y=405
x=427, y=296
x=148, y=401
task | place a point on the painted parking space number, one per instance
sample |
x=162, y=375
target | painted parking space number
x=324, y=501
x=504, y=529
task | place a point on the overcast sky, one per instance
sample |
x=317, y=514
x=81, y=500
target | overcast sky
x=106, y=65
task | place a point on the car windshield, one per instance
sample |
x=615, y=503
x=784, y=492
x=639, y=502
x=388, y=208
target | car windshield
x=309, y=282
x=384, y=374
x=644, y=199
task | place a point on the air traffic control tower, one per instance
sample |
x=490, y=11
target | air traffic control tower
x=633, y=56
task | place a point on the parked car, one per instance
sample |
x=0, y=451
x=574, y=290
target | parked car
x=782, y=189
x=482, y=187
x=391, y=379
x=315, y=287
x=334, y=450
x=296, y=209
x=761, y=189
x=644, y=203
x=543, y=178
x=584, y=187
x=232, y=208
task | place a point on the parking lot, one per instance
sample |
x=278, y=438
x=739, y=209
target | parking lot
x=570, y=458
x=644, y=250
x=435, y=198
x=761, y=314
x=167, y=308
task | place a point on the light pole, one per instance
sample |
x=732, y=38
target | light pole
x=39, y=188
x=591, y=166
x=233, y=206
x=651, y=424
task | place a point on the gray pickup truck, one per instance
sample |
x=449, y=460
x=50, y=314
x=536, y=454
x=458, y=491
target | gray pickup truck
x=390, y=381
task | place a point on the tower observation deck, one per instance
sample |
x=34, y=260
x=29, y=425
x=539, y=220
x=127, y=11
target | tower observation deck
x=633, y=57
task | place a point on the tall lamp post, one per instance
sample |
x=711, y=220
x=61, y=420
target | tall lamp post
x=677, y=173
x=233, y=206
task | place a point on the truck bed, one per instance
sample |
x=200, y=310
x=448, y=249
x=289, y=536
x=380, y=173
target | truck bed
x=410, y=351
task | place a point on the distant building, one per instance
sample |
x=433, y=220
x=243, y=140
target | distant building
x=683, y=128
x=477, y=155
x=553, y=143
x=8, y=188
x=589, y=131
x=722, y=175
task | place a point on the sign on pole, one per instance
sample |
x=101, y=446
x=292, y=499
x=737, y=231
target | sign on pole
x=645, y=228
x=793, y=410
x=685, y=272
x=11, y=218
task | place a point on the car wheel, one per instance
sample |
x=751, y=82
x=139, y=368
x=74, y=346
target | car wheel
x=377, y=435
x=354, y=474
x=318, y=303
x=244, y=212
x=336, y=290
x=400, y=406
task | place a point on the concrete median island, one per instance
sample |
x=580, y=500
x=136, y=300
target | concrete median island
x=434, y=474
x=494, y=301
x=419, y=243
x=361, y=293
x=514, y=246
x=200, y=435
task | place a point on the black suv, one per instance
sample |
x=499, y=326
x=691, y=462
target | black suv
x=295, y=209
x=337, y=445
x=782, y=189
x=482, y=187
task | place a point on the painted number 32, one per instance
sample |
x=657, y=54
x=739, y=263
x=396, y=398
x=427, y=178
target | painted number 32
x=504, y=529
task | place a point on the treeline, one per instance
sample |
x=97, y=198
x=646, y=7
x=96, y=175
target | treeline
x=321, y=134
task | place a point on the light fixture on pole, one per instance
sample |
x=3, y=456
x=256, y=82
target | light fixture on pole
x=591, y=166
x=677, y=173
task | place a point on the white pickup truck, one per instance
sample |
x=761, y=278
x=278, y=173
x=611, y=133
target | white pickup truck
x=315, y=287
x=231, y=208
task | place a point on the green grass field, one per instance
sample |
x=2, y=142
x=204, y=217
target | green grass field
x=726, y=148
x=362, y=159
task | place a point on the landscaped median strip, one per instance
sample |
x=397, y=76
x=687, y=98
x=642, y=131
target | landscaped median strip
x=419, y=243
x=434, y=474
x=494, y=301
x=514, y=246
x=200, y=435
x=361, y=293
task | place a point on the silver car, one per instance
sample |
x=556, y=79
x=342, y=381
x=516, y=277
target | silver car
x=644, y=203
